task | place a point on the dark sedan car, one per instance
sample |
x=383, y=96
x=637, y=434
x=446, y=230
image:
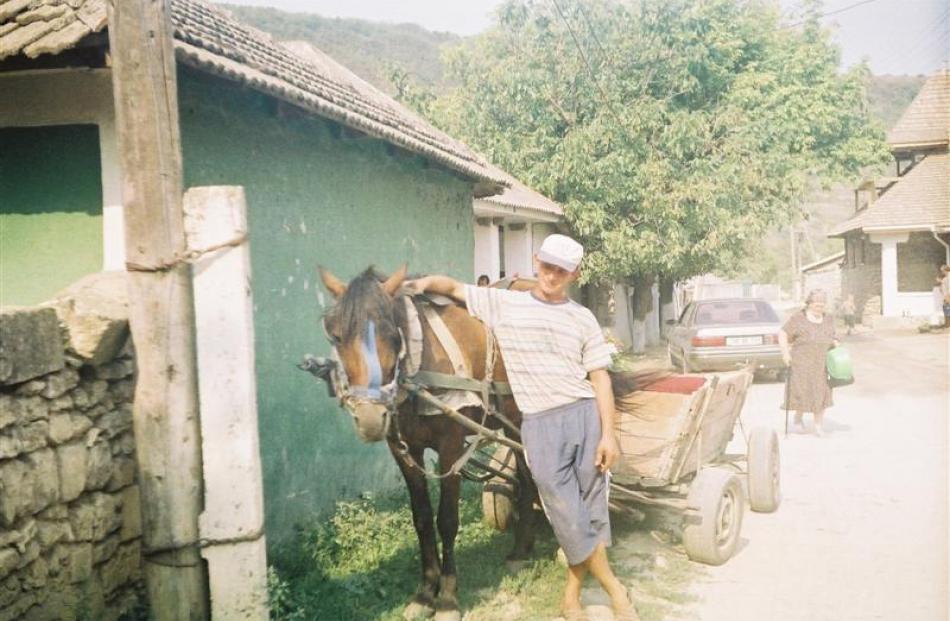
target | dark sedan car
x=718, y=335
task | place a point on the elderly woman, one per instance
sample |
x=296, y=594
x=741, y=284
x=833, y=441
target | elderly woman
x=805, y=340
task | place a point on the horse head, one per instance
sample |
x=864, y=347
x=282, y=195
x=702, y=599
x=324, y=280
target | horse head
x=364, y=331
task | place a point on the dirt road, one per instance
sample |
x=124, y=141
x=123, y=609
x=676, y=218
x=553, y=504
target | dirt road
x=862, y=532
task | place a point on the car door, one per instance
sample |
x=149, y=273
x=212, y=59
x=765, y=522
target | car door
x=679, y=332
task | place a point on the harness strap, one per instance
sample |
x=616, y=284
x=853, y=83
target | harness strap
x=449, y=344
x=431, y=379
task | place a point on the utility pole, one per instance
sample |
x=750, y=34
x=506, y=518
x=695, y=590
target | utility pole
x=161, y=311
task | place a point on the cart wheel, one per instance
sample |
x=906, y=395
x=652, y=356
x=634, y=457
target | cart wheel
x=497, y=505
x=498, y=494
x=715, y=506
x=765, y=491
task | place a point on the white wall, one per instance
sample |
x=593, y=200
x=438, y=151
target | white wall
x=518, y=249
x=486, y=251
x=74, y=97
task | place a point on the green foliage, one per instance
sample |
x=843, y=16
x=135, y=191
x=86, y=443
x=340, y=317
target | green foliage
x=674, y=133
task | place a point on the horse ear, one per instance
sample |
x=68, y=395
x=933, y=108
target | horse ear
x=393, y=283
x=334, y=285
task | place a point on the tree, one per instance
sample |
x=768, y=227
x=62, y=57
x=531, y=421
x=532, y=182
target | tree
x=674, y=132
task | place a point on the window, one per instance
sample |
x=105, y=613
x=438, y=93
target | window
x=501, y=251
x=734, y=312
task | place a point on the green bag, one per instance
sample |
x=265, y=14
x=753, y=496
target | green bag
x=838, y=365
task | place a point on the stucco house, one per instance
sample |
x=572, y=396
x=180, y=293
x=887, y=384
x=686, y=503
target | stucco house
x=509, y=229
x=335, y=173
x=899, y=234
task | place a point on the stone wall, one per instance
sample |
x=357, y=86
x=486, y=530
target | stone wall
x=70, y=525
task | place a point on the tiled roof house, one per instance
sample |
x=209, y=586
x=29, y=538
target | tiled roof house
x=335, y=173
x=899, y=234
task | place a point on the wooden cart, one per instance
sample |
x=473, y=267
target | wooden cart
x=673, y=440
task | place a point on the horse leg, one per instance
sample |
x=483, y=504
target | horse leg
x=524, y=527
x=450, y=449
x=423, y=602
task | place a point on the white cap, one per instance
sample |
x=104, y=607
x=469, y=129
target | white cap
x=562, y=251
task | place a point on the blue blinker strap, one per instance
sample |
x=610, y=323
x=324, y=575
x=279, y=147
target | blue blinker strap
x=371, y=355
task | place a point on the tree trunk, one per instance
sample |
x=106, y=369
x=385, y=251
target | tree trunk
x=161, y=311
x=667, y=306
x=642, y=305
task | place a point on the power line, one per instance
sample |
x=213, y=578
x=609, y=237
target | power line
x=835, y=12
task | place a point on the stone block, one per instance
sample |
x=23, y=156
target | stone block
x=72, y=464
x=123, y=473
x=35, y=574
x=51, y=532
x=30, y=388
x=16, y=491
x=65, y=427
x=117, y=369
x=45, y=477
x=30, y=553
x=8, y=414
x=90, y=394
x=20, y=536
x=122, y=391
x=131, y=513
x=59, y=404
x=61, y=382
x=9, y=559
x=18, y=609
x=124, y=444
x=104, y=550
x=99, y=464
x=94, y=310
x=31, y=346
x=94, y=516
x=56, y=512
x=78, y=564
x=124, y=567
x=9, y=591
x=21, y=410
x=115, y=422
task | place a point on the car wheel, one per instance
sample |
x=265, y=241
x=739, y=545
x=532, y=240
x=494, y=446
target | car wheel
x=685, y=366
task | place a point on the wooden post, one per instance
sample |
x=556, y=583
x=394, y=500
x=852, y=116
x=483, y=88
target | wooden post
x=161, y=314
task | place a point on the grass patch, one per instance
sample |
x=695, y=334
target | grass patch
x=363, y=563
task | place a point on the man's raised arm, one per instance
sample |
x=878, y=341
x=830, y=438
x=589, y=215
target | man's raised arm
x=442, y=285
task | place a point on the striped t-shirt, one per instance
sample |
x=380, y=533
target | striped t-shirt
x=549, y=348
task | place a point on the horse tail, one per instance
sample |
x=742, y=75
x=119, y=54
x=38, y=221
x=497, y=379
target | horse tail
x=626, y=382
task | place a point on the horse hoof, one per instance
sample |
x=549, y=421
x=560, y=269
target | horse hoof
x=415, y=611
x=514, y=567
x=448, y=615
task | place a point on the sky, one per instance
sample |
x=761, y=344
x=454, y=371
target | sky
x=895, y=36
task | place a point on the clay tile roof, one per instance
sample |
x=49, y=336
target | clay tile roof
x=208, y=38
x=919, y=201
x=926, y=122
x=521, y=196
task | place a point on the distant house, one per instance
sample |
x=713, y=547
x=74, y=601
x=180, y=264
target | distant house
x=900, y=232
x=509, y=229
x=335, y=173
x=824, y=274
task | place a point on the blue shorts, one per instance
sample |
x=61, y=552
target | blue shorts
x=560, y=446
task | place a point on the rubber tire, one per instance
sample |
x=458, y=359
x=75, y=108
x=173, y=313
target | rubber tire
x=497, y=509
x=764, y=458
x=715, y=507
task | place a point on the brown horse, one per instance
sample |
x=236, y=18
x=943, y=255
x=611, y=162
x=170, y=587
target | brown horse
x=368, y=328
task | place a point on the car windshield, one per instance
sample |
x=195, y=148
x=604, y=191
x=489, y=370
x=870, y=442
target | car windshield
x=735, y=312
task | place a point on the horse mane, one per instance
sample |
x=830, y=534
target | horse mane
x=364, y=300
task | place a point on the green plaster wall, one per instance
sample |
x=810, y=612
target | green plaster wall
x=316, y=196
x=50, y=210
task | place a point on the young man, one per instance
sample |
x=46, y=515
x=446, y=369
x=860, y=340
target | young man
x=557, y=359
